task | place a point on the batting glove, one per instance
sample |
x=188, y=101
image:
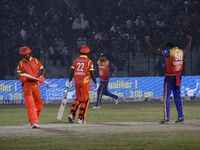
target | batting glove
x=42, y=79
x=95, y=86
x=68, y=84
x=23, y=79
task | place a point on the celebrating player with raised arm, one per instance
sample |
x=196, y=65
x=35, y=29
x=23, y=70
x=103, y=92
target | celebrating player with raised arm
x=174, y=66
x=82, y=69
x=104, y=66
x=30, y=87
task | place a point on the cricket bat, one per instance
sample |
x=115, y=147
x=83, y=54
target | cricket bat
x=62, y=106
x=29, y=76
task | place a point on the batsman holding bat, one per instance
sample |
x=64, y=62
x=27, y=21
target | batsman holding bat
x=174, y=66
x=30, y=87
x=82, y=69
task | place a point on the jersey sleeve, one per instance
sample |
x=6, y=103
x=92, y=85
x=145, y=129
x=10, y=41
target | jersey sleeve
x=40, y=66
x=73, y=65
x=19, y=68
x=111, y=65
x=91, y=66
x=166, y=53
x=183, y=51
x=98, y=62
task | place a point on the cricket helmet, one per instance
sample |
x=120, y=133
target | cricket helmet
x=25, y=51
x=85, y=49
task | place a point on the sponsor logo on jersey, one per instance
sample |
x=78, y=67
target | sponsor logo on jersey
x=79, y=73
x=102, y=67
x=177, y=63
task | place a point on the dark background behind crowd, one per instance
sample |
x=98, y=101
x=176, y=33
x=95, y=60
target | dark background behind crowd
x=58, y=28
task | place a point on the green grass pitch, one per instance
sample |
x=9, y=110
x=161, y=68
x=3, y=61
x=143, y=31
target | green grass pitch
x=123, y=112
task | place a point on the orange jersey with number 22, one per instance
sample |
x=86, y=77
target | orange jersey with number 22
x=82, y=65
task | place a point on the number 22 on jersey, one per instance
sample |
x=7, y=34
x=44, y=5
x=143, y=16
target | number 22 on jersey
x=80, y=66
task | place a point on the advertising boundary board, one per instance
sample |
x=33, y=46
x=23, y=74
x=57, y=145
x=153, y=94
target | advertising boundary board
x=130, y=88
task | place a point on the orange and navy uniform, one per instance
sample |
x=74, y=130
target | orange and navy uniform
x=104, y=69
x=174, y=67
x=31, y=88
x=174, y=60
x=82, y=67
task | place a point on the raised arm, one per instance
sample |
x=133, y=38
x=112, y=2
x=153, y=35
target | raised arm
x=154, y=52
x=115, y=71
x=189, y=44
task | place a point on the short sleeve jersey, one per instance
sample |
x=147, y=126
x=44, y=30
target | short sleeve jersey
x=104, y=68
x=82, y=67
x=174, y=60
x=30, y=67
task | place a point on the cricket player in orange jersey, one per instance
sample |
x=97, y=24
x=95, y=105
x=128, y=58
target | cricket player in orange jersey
x=30, y=87
x=82, y=69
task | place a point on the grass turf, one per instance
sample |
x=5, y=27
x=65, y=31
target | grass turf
x=128, y=112
x=137, y=111
x=116, y=142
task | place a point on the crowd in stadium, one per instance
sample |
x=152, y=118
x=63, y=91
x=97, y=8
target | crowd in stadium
x=60, y=27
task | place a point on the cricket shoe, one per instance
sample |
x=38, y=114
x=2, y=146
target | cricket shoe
x=35, y=126
x=71, y=118
x=120, y=99
x=80, y=121
x=116, y=101
x=96, y=107
x=164, y=121
x=180, y=121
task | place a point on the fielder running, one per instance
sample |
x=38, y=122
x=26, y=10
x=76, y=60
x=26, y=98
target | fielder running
x=30, y=87
x=82, y=69
x=104, y=66
x=174, y=66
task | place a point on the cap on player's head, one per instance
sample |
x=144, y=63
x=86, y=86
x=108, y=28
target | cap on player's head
x=85, y=49
x=170, y=45
x=25, y=50
x=102, y=54
x=102, y=57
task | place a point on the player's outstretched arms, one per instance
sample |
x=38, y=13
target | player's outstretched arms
x=154, y=52
x=189, y=44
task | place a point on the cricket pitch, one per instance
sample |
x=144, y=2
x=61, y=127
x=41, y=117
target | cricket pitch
x=96, y=129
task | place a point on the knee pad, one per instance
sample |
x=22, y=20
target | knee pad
x=83, y=110
x=75, y=104
x=75, y=107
